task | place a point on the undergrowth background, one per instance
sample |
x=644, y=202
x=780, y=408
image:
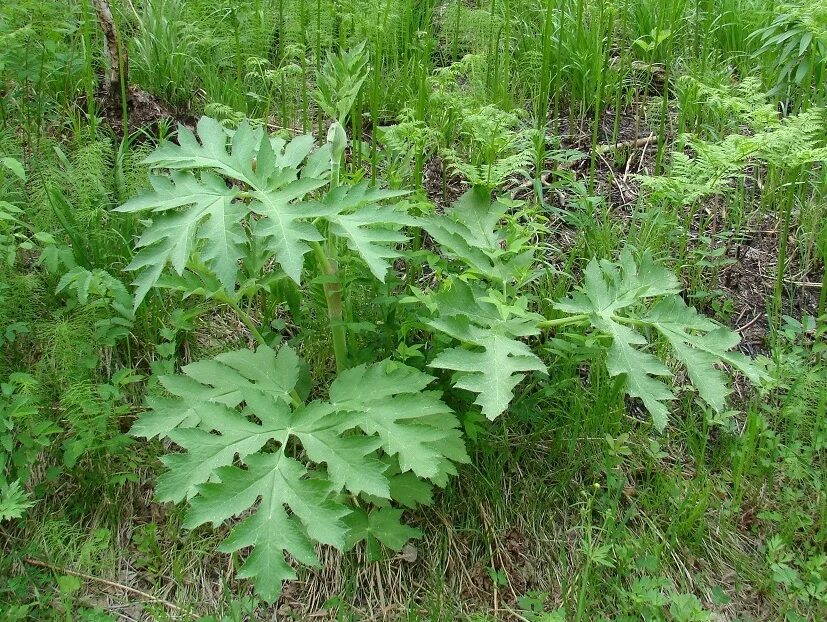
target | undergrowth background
x=692, y=129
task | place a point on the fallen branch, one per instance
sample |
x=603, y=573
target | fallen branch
x=41, y=564
x=741, y=329
x=628, y=144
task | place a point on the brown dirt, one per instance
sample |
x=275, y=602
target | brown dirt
x=432, y=177
x=144, y=111
x=751, y=280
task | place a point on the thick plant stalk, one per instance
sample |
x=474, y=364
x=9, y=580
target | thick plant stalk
x=564, y=321
x=337, y=138
x=333, y=297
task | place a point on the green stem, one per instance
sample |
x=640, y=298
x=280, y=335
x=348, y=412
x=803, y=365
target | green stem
x=630, y=320
x=248, y=322
x=335, y=174
x=581, y=593
x=564, y=321
x=333, y=297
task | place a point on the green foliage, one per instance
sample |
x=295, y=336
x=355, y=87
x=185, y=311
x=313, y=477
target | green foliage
x=381, y=526
x=299, y=457
x=493, y=361
x=14, y=166
x=91, y=411
x=13, y=500
x=718, y=106
x=794, y=141
x=195, y=211
x=796, y=40
x=107, y=293
x=23, y=435
x=495, y=149
x=161, y=31
x=340, y=81
x=650, y=42
x=408, y=143
x=15, y=234
x=470, y=231
x=252, y=237
x=619, y=299
x=38, y=59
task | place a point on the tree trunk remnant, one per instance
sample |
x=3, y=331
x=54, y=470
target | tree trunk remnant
x=116, y=76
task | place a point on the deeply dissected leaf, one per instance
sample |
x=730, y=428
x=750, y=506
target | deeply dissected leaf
x=613, y=297
x=699, y=343
x=212, y=215
x=14, y=500
x=283, y=228
x=279, y=482
x=414, y=425
x=224, y=186
x=222, y=435
x=470, y=231
x=251, y=447
x=244, y=375
x=191, y=211
x=493, y=361
x=608, y=287
x=642, y=369
x=209, y=150
x=370, y=229
x=492, y=373
x=351, y=460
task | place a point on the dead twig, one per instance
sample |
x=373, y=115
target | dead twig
x=600, y=150
x=41, y=564
x=614, y=178
x=741, y=329
x=806, y=284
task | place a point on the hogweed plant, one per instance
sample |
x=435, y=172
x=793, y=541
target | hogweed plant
x=219, y=219
x=233, y=216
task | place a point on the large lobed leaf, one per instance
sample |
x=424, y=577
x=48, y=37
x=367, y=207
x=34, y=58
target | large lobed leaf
x=369, y=229
x=223, y=186
x=250, y=447
x=492, y=360
x=415, y=426
x=195, y=208
x=470, y=231
x=614, y=298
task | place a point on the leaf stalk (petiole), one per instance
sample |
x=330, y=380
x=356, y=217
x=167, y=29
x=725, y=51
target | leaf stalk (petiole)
x=248, y=322
x=564, y=321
